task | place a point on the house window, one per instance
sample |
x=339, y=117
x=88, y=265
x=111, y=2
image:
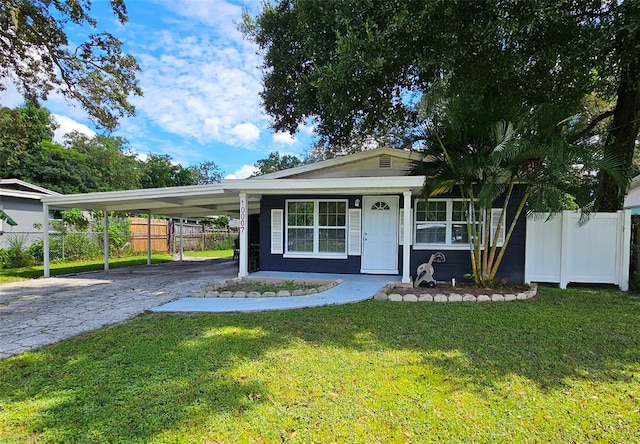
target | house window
x=441, y=222
x=316, y=228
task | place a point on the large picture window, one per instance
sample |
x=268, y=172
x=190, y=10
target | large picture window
x=441, y=222
x=316, y=228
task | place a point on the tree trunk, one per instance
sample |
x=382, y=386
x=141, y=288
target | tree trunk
x=622, y=135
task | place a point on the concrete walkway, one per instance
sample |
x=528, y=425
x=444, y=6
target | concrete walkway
x=354, y=288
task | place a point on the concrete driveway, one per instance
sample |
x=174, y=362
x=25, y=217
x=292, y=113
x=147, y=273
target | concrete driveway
x=43, y=311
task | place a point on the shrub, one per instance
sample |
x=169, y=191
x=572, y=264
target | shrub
x=15, y=256
x=36, y=250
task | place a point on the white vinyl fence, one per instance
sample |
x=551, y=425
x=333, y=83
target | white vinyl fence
x=560, y=250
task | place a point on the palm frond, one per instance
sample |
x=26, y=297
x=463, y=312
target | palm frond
x=5, y=217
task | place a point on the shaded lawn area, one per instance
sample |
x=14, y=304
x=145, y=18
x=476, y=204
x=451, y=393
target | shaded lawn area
x=562, y=367
x=60, y=268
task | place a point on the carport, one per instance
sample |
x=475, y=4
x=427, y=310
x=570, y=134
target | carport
x=238, y=197
x=176, y=202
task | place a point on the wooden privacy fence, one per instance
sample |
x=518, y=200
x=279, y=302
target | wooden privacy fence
x=198, y=237
x=165, y=236
x=159, y=234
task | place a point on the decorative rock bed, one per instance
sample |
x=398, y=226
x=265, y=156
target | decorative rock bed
x=218, y=290
x=452, y=297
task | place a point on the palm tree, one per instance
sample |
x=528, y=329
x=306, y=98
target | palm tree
x=486, y=164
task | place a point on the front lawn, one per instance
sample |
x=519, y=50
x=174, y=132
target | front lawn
x=37, y=271
x=562, y=367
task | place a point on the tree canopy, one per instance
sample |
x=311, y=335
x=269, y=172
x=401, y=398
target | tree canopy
x=361, y=68
x=85, y=164
x=276, y=162
x=37, y=54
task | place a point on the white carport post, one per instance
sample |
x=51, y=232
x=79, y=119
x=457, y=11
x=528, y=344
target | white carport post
x=149, y=238
x=181, y=239
x=45, y=244
x=105, y=222
x=243, y=258
x=406, y=230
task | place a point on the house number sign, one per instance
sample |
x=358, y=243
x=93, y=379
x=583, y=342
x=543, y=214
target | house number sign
x=243, y=215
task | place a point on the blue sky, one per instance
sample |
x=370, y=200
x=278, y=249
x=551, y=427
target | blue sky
x=201, y=83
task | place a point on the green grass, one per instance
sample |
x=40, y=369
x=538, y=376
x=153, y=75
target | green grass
x=37, y=271
x=210, y=253
x=563, y=367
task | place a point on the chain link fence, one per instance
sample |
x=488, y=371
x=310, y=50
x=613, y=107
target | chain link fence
x=63, y=246
x=18, y=249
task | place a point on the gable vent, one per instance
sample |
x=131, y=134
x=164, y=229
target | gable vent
x=384, y=161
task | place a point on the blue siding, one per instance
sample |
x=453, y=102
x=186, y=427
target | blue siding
x=458, y=261
x=273, y=262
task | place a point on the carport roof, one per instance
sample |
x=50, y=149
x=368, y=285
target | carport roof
x=188, y=201
x=223, y=198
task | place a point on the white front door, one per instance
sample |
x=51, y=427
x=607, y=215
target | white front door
x=380, y=235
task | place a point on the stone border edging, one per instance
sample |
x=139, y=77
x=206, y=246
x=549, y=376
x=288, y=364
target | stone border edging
x=453, y=297
x=212, y=291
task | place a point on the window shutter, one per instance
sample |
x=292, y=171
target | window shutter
x=276, y=231
x=495, y=218
x=401, y=226
x=355, y=216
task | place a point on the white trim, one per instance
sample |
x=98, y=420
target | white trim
x=463, y=247
x=366, y=202
x=127, y=195
x=448, y=223
x=21, y=183
x=314, y=256
x=350, y=185
x=316, y=253
x=406, y=229
x=21, y=194
x=390, y=271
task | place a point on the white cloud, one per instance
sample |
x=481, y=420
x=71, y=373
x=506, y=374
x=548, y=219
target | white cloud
x=246, y=132
x=242, y=173
x=67, y=125
x=309, y=128
x=284, y=138
x=202, y=89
